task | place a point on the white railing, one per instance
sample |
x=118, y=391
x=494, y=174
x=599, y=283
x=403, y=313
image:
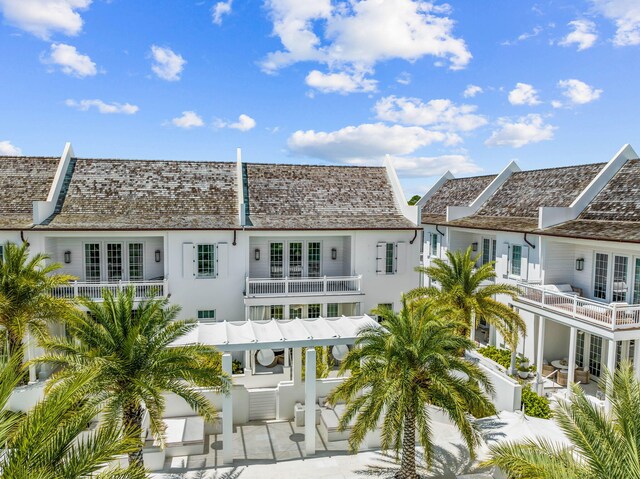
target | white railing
x=143, y=289
x=324, y=285
x=612, y=316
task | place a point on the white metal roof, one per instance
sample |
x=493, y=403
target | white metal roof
x=277, y=333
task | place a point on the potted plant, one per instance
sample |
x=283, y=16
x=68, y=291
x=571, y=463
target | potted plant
x=524, y=362
x=523, y=371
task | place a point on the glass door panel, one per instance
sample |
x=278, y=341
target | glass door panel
x=600, y=278
x=136, y=268
x=313, y=253
x=620, y=279
x=295, y=260
x=636, y=283
x=276, y=258
x=595, y=357
x=114, y=261
x=92, y=262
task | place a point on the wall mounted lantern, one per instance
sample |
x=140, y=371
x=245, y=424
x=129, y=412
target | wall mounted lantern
x=67, y=257
x=256, y=254
x=474, y=246
x=334, y=253
x=579, y=264
x=157, y=256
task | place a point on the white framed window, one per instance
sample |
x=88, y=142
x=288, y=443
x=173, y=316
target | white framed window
x=516, y=260
x=92, y=262
x=314, y=310
x=277, y=311
x=332, y=310
x=620, y=284
x=391, y=258
x=295, y=311
x=314, y=259
x=205, y=314
x=114, y=261
x=206, y=260
x=489, y=246
x=636, y=282
x=136, y=261
x=435, y=244
x=601, y=276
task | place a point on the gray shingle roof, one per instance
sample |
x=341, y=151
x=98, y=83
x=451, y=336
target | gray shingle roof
x=322, y=197
x=454, y=192
x=142, y=194
x=23, y=180
x=525, y=191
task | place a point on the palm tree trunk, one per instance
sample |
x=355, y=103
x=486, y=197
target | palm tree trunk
x=16, y=350
x=512, y=368
x=132, y=420
x=408, y=462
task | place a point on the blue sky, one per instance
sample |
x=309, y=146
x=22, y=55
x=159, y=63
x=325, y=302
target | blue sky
x=464, y=85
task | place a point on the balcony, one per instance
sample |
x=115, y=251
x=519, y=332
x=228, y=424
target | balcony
x=143, y=289
x=322, y=286
x=614, y=316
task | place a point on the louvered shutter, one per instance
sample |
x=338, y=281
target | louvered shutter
x=188, y=260
x=524, y=264
x=381, y=255
x=401, y=257
x=222, y=260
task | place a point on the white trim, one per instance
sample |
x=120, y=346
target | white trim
x=44, y=209
x=409, y=212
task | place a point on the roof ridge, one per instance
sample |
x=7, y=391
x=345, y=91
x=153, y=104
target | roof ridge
x=560, y=167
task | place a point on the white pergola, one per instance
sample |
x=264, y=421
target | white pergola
x=230, y=336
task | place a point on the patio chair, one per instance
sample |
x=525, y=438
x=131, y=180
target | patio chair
x=547, y=369
x=582, y=375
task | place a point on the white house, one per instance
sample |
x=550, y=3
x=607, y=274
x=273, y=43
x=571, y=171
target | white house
x=240, y=246
x=569, y=238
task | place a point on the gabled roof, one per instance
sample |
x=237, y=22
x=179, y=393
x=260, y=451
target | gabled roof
x=299, y=197
x=143, y=194
x=454, y=192
x=23, y=180
x=614, y=213
x=515, y=204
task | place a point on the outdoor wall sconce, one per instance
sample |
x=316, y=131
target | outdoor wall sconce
x=579, y=264
x=474, y=246
x=334, y=253
x=256, y=254
x=67, y=257
x=157, y=256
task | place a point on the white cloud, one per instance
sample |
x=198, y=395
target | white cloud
x=168, y=65
x=471, y=91
x=369, y=143
x=219, y=10
x=7, y=149
x=583, y=34
x=626, y=15
x=70, y=61
x=440, y=114
x=189, y=119
x=523, y=94
x=342, y=83
x=244, y=123
x=578, y=92
x=524, y=36
x=525, y=130
x=357, y=144
x=102, y=107
x=358, y=34
x=404, y=78
x=43, y=17
x=433, y=165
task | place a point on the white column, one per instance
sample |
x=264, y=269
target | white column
x=287, y=361
x=571, y=374
x=297, y=366
x=636, y=357
x=611, y=365
x=540, y=355
x=227, y=416
x=472, y=334
x=492, y=335
x=310, y=403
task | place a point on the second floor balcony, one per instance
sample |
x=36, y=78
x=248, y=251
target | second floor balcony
x=316, y=286
x=93, y=290
x=612, y=316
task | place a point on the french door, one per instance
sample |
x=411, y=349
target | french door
x=295, y=259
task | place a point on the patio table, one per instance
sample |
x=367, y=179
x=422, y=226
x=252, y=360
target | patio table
x=558, y=364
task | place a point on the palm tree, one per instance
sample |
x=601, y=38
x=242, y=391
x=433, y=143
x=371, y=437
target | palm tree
x=462, y=290
x=604, y=445
x=399, y=369
x=45, y=443
x=26, y=303
x=129, y=354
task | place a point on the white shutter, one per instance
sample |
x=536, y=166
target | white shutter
x=381, y=255
x=401, y=257
x=222, y=259
x=188, y=266
x=506, y=254
x=524, y=264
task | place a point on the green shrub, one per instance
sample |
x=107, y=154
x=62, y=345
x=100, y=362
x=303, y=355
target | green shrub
x=502, y=357
x=236, y=367
x=534, y=405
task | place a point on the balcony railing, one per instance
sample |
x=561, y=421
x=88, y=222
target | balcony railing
x=611, y=316
x=324, y=285
x=143, y=289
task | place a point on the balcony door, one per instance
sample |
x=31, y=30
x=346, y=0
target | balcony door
x=295, y=259
x=616, y=278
